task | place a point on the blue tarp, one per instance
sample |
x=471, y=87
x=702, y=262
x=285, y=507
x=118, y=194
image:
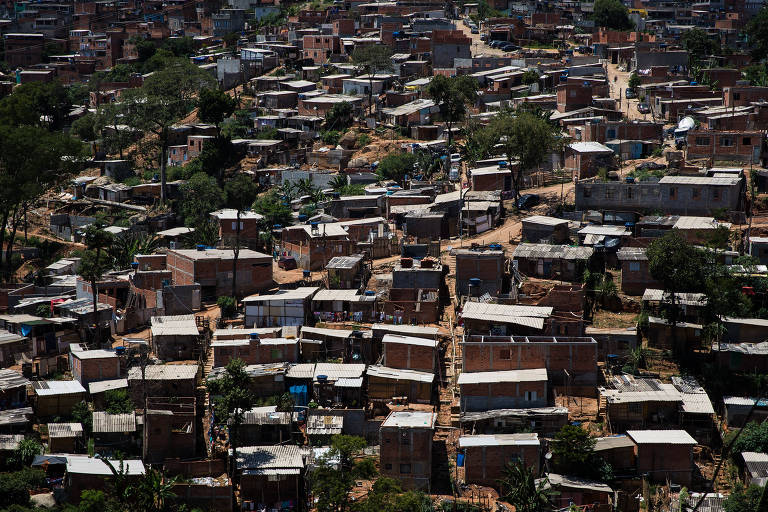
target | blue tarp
x=299, y=394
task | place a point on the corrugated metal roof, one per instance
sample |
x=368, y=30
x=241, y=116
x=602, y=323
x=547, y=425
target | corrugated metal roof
x=595, y=229
x=346, y=382
x=253, y=370
x=62, y=430
x=756, y=465
x=698, y=223
x=744, y=401
x=697, y=403
x=572, y=482
x=335, y=371
x=345, y=262
x=528, y=316
x=9, y=337
x=406, y=329
x=661, y=437
x=301, y=371
x=742, y=348
x=164, y=372
x=632, y=254
x=532, y=375
x=9, y=442
x=525, y=413
x=611, y=442
x=698, y=180
x=10, y=379
x=16, y=417
x=105, y=385
x=270, y=458
x=106, y=423
x=178, y=325
x=83, y=464
x=566, y=252
x=590, y=147
x=527, y=439
x=336, y=333
x=543, y=219
x=94, y=354
x=300, y=293
x=412, y=419
x=57, y=387
x=342, y=295
x=684, y=298
x=266, y=416
x=325, y=422
x=409, y=340
x=385, y=372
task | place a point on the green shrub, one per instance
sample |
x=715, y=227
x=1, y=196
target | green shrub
x=227, y=306
x=14, y=487
x=363, y=140
x=330, y=137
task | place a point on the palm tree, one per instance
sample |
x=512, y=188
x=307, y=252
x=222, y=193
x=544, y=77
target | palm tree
x=155, y=490
x=127, y=245
x=519, y=488
x=338, y=182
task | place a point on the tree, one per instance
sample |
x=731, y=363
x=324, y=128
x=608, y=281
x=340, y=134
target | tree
x=214, y=106
x=339, y=116
x=757, y=34
x=698, y=44
x=93, y=265
x=612, y=14
x=82, y=414
x=25, y=453
x=753, y=438
x=573, y=450
x=337, y=471
x=43, y=104
x=166, y=96
x=241, y=192
x=527, y=138
x=395, y=166
x=32, y=162
x=127, y=245
x=118, y=401
x=530, y=77
x=274, y=208
x=634, y=81
x=386, y=495
x=154, y=491
x=200, y=195
x=677, y=265
x=372, y=59
x=235, y=398
x=452, y=95
x=518, y=487
x=746, y=499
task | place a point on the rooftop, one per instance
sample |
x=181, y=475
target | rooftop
x=532, y=375
x=300, y=293
x=164, y=372
x=57, y=387
x=527, y=439
x=411, y=419
x=385, y=372
x=408, y=340
x=178, y=325
x=661, y=437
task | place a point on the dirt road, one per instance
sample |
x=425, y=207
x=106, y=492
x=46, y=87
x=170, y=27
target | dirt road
x=619, y=81
x=478, y=46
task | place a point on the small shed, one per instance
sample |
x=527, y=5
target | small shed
x=270, y=474
x=13, y=389
x=386, y=384
x=65, y=437
x=57, y=397
x=265, y=425
x=113, y=431
x=540, y=228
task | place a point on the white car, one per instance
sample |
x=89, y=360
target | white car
x=455, y=157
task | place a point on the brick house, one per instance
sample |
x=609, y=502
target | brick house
x=664, y=455
x=741, y=146
x=405, y=438
x=635, y=272
x=23, y=50
x=503, y=389
x=584, y=159
x=162, y=380
x=319, y=48
x=175, y=338
x=250, y=224
x=448, y=45
x=486, y=456
x=486, y=264
x=56, y=397
x=94, y=365
x=212, y=269
x=410, y=353
x=385, y=383
x=573, y=96
x=570, y=359
x=506, y=319
x=271, y=474
x=170, y=427
x=550, y=229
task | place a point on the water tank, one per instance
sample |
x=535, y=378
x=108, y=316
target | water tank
x=322, y=378
x=307, y=274
x=254, y=336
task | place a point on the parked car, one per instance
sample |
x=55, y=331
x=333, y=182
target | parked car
x=629, y=93
x=643, y=108
x=527, y=201
x=455, y=157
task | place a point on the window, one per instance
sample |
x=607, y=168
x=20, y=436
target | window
x=530, y=396
x=726, y=142
x=387, y=466
x=695, y=193
x=629, y=192
x=746, y=141
x=673, y=192
x=405, y=469
x=634, y=266
x=702, y=141
x=405, y=439
x=716, y=195
x=587, y=192
x=504, y=354
x=737, y=96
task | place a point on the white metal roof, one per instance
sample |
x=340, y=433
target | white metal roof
x=231, y=214
x=61, y=430
x=590, y=147
x=385, y=372
x=57, y=387
x=543, y=219
x=595, y=229
x=105, y=385
x=532, y=375
x=178, y=325
x=164, y=372
x=340, y=295
x=531, y=439
x=409, y=340
x=412, y=419
x=94, y=354
x=698, y=180
x=322, y=331
x=661, y=437
x=698, y=223
x=276, y=458
x=83, y=464
x=300, y=293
